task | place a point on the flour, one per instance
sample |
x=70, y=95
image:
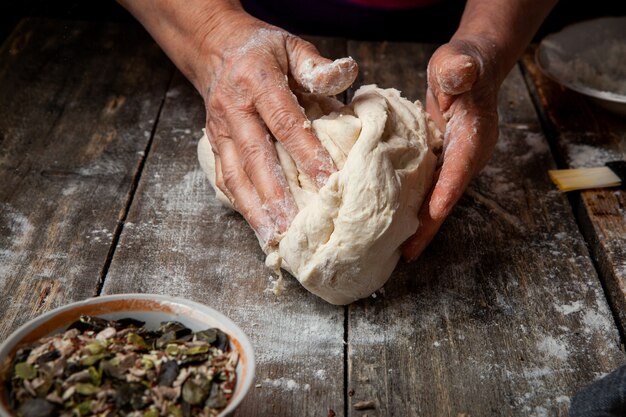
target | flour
x=15, y=223
x=553, y=347
x=587, y=156
x=182, y=197
x=600, y=68
x=321, y=374
x=537, y=145
x=285, y=384
x=271, y=342
x=596, y=323
x=257, y=41
x=567, y=309
x=327, y=79
x=15, y=231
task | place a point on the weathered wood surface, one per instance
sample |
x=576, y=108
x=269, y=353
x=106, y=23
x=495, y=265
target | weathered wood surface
x=504, y=314
x=77, y=105
x=179, y=240
x=586, y=135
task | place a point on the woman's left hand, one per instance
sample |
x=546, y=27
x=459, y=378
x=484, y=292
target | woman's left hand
x=462, y=100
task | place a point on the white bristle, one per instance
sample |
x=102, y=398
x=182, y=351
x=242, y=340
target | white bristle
x=584, y=178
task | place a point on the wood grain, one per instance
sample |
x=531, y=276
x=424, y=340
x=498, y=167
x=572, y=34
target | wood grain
x=585, y=135
x=504, y=314
x=179, y=240
x=78, y=104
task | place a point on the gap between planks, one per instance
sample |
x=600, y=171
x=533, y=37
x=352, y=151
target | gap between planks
x=119, y=227
x=583, y=222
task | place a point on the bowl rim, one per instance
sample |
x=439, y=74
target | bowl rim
x=239, y=340
x=616, y=98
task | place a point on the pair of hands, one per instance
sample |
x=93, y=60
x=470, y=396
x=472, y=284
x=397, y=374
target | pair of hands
x=252, y=70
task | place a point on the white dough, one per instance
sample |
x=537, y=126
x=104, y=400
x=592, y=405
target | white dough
x=344, y=242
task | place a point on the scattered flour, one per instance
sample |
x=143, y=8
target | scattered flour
x=69, y=190
x=562, y=399
x=595, y=322
x=539, y=412
x=587, y=156
x=15, y=231
x=553, y=347
x=567, y=309
x=183, y=197
x=15, y=223
x=321, y=374
x=537, y=145
x=285, y=384
x=103, y=167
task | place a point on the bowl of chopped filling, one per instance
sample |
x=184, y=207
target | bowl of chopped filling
x=136, y=355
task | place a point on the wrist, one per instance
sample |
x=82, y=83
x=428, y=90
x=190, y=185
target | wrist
x=184, y=29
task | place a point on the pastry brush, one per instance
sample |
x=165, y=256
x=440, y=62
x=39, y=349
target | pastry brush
x=613, y=174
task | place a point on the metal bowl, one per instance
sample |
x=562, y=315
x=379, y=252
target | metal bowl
x=589, y=58
x=153, y=309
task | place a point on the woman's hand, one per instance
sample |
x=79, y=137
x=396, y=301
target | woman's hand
x=245, y=70
x=249, y=100
x=462, y=100
x=464, y=77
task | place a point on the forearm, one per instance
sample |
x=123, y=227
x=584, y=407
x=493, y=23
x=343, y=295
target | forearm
x=181, y=28
x=509, y=25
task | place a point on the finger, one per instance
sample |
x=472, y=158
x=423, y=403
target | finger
x=316, y=73
x=219, y=180
x=456, y=74
x=284, y=117
x=415, y=245
x=470, y=134
x=244, y=195
x=456, y=173
x=451, y=73
x=432, y=107
x=460, y=164
x=221, y=192
x=260, y=163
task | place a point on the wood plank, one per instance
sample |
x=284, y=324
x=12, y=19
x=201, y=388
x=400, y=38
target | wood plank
x=78, y=101
x=585, y=135
x=503, y=315
x=180, y=241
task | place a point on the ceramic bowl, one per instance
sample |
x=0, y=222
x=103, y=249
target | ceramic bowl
x=588, y=57
x=153, y=309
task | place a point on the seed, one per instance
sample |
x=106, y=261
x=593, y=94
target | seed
x=365, y=405
x=24, y=370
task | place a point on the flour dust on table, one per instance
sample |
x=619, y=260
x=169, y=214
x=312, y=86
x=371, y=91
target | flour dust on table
x=344, y=243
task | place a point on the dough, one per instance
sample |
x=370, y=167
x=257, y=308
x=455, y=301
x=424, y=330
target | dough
x=344, y=242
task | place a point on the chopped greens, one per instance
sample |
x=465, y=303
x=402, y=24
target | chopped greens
x=108, y=368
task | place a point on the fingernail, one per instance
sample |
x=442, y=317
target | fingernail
x=265, y=235
x=438, y=207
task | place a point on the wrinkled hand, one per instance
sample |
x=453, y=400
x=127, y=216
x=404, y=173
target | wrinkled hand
x=462, y=100
x=251, y=66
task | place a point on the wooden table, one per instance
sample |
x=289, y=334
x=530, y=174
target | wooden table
x=517, y=304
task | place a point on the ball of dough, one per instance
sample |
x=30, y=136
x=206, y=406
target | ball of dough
x=345, y=240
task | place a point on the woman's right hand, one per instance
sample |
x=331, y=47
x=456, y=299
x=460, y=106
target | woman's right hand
x=245, y=69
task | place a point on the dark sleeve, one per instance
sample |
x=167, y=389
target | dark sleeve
x=604, y=398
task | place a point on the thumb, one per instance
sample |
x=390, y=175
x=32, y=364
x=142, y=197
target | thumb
x=316, y=73
x=451, y=72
